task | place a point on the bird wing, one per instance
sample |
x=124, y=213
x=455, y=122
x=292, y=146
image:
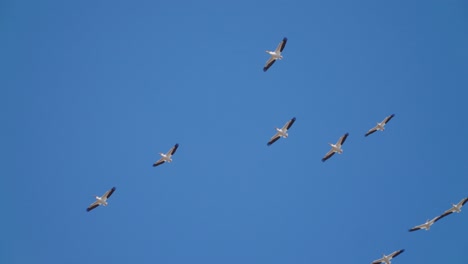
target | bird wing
x=159, y=162
x=372, y=130
x=109, y=193
x=328, y=155
x=377, y=261
x=385, y=121
x=342, y=139
x=281, y=45
x=449, y=211
x=173, y=149
x=416, y=228
x=288, y=124
x=396, y=253
x=437, y=218
x=92, y=206
x=273, y=139
x=268, y=64
x=463, y=202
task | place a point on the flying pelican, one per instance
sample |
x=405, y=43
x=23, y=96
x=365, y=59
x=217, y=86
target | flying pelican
x=275, y=55
x=456, y=208
x=380, y=126
x=283, y=132
x=101, y=200
x=387, y=259
x=336, y=147
x=428, y=223
x=166, y=157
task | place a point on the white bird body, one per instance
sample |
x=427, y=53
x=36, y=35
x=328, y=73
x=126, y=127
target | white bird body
x=336, y=148
x=275, y=55
x=281, y=133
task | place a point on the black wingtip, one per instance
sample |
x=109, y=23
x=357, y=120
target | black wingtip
x=265, y=69
x=285, y=39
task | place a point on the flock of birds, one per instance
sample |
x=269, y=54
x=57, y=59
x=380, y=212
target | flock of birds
x=283, y=133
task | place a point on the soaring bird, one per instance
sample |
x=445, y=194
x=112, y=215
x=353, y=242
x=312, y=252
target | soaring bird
x=101, y=200
x=456, y=208
x=283, y=132
x=427, y=225
x=380, y=126
x=166, y=157
x=275, y=55
x=336, y=148
x=387, y=259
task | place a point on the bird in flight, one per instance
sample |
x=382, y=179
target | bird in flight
x=101, y=200
x=387, y=259
x=275, y=55
x=282, y=132
x=336, y=148
x=380, y=126
x=166, y=157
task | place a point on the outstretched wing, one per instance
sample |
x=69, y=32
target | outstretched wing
x=463, y=202
x=342, y=139
x=328, y=155
x=372, y=130
x=172, y=151
x=92, y=206
x=268, y=64
x=281, y=45
x=385, y=121
x=273, y=139
x=378, y=261
x=159, y=162
x=396, y=253
x=289, y=124
x=109, y=193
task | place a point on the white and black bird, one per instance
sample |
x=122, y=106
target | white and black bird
x=336, y=148
x=456, y=208
x=166, y=157
x=427, y=225
x=282, y=132
x=101, y=200
x=380, y=126
x=275, y=55
x=387, y=259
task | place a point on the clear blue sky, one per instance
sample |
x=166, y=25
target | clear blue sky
x=91, y=91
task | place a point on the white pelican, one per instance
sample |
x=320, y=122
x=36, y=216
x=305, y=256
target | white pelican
x=101, y=200
x=283, y=132
x=336, y=148
x=380, y=126
x=456, y=208
x=166, y=157
x=387, y=259
x=428, y=223
x=275, y=55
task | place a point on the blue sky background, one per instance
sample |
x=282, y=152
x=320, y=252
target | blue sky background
x=91, y=91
